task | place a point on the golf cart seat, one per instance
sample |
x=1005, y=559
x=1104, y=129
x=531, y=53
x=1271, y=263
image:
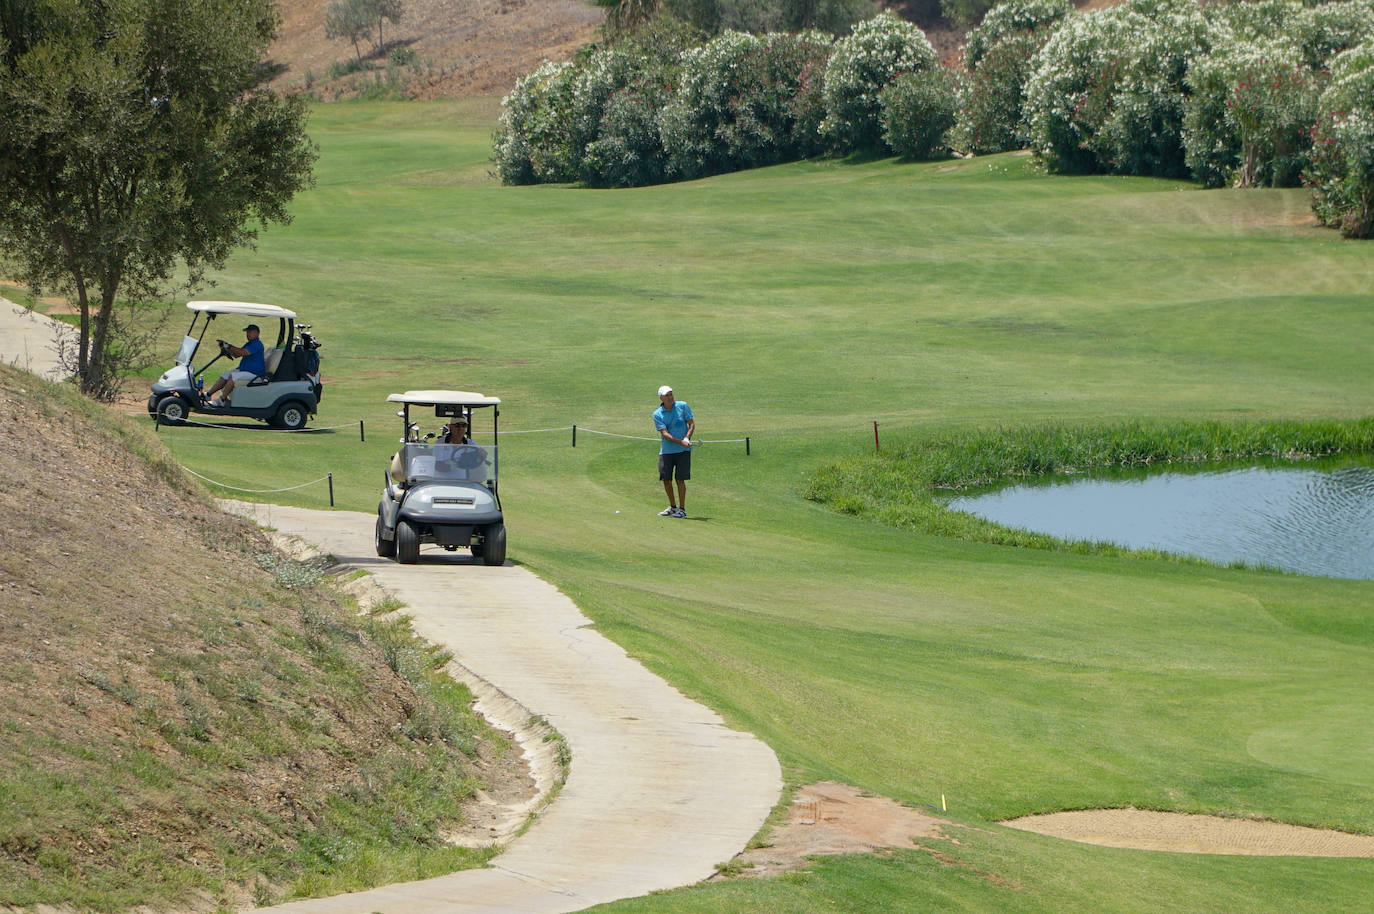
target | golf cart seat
x=272, y=358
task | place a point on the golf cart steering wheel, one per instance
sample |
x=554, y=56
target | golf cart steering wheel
x=469, y=457
x=224, y=347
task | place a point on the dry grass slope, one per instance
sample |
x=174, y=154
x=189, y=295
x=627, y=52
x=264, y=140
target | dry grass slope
x=179, y=703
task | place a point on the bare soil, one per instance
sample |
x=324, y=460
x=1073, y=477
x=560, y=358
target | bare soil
x=468, y=49
x=829, y=818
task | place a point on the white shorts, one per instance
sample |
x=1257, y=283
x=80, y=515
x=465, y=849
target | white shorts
x=238, y=377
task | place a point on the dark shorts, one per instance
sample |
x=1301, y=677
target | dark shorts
x=681, y=462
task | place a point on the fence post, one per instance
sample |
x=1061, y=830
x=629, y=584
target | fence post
x=875, y=438
x=331, y=490
x=362, y=432
x=574, y=436
x=746, y=445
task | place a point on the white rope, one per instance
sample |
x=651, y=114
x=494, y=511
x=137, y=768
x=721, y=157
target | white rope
x=529, y=431
x=318, y=428
x=593, y=431
x=254, y=491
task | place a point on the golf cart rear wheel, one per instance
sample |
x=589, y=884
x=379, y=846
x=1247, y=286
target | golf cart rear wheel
x=494, y=545
x=407, y=543
x=385, y=548
x=291, y=416
x=173, y=410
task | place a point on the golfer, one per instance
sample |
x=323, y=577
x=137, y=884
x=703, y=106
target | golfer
x=675, y=425
x=253, y=364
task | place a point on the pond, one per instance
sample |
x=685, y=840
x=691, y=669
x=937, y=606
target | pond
x=1312, y=517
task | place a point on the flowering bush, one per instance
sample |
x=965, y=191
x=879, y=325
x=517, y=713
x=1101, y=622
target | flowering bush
x=736, y=103
x=530, y=124
x=1342, y=170
x=1247, y=121
x=1012, y=19
x=918, y=109
x=1326, y=30
x=628, y=151
x=1107, y=91
x=862, y=64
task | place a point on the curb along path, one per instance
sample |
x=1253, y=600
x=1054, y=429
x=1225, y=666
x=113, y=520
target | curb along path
x=659, y=790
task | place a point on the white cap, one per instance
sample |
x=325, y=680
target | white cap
x=664, y=390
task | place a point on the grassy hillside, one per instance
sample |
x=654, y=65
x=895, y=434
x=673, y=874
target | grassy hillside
x=798, y=305
x=188, y=718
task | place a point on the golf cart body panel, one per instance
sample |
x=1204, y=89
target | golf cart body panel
x=285, y=395
x=442, y=493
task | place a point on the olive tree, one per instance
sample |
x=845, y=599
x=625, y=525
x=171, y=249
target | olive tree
x=138, y=143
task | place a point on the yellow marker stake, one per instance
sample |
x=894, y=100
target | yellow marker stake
x=943, y=807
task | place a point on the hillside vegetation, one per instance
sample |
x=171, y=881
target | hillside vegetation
x=187, y=717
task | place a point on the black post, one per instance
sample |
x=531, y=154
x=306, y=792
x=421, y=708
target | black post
x=746, y=446
x=331, y=490
x=362, y=432
x=574, y=436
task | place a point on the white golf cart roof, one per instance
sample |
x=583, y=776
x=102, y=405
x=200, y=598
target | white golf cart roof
x=241, y=307
x=443, y=398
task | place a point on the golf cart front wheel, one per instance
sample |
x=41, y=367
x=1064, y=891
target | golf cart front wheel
x=172, y=410
x=407, y=543
x=385, y=548
x=291, y=416
x=494, y=545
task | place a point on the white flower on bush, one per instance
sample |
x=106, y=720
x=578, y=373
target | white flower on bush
x=863, y=63
x=1106, y=94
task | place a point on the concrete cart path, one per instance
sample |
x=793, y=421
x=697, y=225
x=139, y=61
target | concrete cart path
x=28, y=340
x=659, y=789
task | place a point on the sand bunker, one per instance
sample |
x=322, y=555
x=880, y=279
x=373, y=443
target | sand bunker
x=831, y=818
x=1144, y=829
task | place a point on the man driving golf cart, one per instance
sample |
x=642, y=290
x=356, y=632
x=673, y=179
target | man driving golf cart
x=442, y=491
x=283, y=388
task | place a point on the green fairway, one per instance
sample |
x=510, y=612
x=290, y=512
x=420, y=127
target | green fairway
x=797, y=306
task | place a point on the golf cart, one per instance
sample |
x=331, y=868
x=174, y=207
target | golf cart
x=442, y=493
x=285, y=397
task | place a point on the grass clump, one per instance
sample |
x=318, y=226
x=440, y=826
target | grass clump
x=899, y=486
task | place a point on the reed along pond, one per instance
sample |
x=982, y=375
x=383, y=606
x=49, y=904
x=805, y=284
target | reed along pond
x=1313, y=517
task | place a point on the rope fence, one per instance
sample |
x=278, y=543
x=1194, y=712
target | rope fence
x=362, y=435
x=224, y=485
x=746, y=441
x=362, y=429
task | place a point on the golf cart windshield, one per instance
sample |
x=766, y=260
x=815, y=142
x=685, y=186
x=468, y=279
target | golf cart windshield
x=425, y=462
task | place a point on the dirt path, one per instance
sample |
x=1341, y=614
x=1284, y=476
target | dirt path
x=658, y=792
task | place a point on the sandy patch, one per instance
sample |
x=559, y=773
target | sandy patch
x=1144, y=829
x=830, y=818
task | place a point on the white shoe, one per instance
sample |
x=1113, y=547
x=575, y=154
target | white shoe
x=669, y=511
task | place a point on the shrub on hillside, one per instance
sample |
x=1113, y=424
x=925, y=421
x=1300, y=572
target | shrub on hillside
x=918, y=110
x=1342, y=170
x=735, y=105
x=861, y=65
x=530, y=126
x=1248, y=119
x=998, y=56
x=628, y=151
x=1012, y=19
x=1326, y=30
x=1107, y=93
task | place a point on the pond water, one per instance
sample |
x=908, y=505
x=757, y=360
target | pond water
x=1312, y=517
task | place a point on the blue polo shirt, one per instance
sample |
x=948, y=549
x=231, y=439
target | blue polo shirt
x=254, y=360
x=675, y=421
